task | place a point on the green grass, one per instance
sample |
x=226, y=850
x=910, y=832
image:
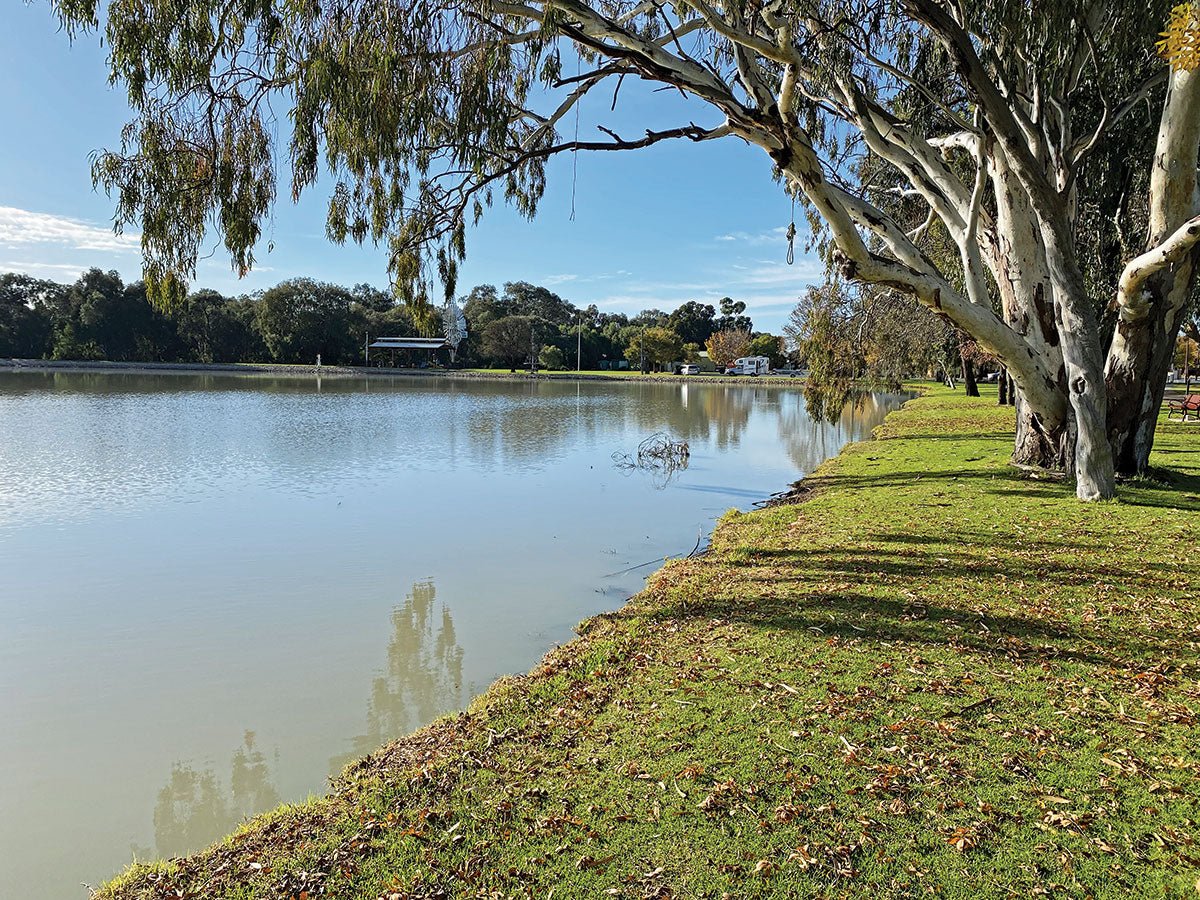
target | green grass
x=936, y=676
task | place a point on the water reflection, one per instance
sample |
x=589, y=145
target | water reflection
x=810, y=441
x=277, y=431
x=423, y=678
x=195, y=807
x=221, y=527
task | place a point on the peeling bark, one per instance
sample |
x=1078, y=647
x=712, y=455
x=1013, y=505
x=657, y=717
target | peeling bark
x=1037, y=446
x=1155, y=286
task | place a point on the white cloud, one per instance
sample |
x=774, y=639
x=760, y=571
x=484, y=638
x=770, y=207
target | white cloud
x=21, y=228
x=50, y=270
x=769, y=288
x=757, y=238
x=223, y=265
x=805, y=271
x=551, y=280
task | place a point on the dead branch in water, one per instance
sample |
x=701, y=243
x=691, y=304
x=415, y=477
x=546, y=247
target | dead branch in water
x=658, y=454
x=654, y=452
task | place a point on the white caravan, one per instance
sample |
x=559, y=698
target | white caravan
x=750, y=365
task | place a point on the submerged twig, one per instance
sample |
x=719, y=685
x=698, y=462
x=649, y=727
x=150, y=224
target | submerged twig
x=699, y=538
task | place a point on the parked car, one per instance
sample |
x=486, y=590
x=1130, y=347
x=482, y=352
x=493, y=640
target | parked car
x=689, y=369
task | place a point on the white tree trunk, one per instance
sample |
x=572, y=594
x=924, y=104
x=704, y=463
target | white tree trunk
x=1155, y=287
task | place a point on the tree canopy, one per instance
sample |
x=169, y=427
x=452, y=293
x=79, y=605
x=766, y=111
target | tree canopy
x=1020, y=168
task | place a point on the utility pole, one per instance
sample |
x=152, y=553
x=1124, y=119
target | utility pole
x=579, y=342
x=367, y=349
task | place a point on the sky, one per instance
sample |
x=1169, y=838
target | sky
x=652, y=228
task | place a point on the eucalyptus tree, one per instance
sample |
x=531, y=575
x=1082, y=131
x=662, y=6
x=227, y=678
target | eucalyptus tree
x=512, y=339
x=693, y=321
x=733, y=317
x=301, y=319
x=988, y=118
x=26, y=317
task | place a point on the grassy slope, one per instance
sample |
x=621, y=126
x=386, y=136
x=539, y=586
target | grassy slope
x=933, y=676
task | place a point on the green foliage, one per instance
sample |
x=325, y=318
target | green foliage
x=651, y=318
x=552, y=357
x=732, y=317
x=521, y=298
x=377, y=97
x=302, y=318
x=217, y=329
x=372, y=299
x=848, y=336
x=26, y=306
x=767, y=345
x=511, y=339
x=100, y=317
x=727, y=345
x=654, y=347
x=693, y=321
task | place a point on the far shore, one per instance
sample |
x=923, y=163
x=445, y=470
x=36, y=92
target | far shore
x=313, y=371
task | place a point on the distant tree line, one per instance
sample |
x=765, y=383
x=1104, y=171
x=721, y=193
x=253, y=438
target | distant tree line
x=100, y=317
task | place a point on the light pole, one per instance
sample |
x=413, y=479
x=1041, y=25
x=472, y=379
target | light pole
x=1187, y=365
x=579, y=342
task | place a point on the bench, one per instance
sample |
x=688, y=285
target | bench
x=1189, y=405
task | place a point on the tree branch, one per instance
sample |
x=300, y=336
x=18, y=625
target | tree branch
x=1130, y=297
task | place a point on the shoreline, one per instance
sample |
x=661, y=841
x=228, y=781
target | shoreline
x=312, y=371
x=424, y=744
x=836, y=698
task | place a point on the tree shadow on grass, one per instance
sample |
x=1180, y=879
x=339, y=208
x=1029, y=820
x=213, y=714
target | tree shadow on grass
x=1181, y=493
x=949, y=565
x=1165, y=489
x=1020, y=591
x=909, y=477
x=962, y=437
x=968, y=537
x=859, y=616
x=998, y=593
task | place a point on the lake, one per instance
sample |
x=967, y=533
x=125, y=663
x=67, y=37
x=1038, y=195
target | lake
x=216, y=590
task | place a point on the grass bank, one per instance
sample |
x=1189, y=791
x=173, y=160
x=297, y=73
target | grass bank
x=935, y=676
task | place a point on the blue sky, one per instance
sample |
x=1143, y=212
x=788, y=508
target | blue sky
x=652, y=228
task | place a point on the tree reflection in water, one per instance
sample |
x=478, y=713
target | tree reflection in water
x=423, y=676
x=811, y=435
x=195, y=807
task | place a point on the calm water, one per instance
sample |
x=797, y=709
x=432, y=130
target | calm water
x=215, y=591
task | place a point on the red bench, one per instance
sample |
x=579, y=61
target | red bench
x=1189, y=405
